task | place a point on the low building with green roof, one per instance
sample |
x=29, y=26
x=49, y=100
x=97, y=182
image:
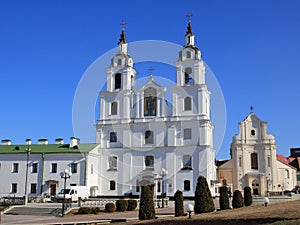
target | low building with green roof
x=37, y=167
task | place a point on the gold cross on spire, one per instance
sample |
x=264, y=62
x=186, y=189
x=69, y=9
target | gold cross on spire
x=123, y=24
x=189, y=15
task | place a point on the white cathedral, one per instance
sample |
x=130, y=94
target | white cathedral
x=141, y=137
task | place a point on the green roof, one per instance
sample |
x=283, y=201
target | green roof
x=46, y=149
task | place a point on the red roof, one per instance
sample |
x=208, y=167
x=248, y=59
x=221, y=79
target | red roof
x=285, y=160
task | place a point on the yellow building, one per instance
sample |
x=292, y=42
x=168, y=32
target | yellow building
x=253, y=161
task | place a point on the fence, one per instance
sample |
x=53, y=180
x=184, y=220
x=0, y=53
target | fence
x=98, y=202
x=7, y=201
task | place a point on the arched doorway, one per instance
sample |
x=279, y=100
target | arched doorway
x=255, y=187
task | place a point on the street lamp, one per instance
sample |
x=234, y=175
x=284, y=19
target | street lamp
x=190, y=209
x=266, y=201
x=27, y=150
x=163, y=174
x=66, y=174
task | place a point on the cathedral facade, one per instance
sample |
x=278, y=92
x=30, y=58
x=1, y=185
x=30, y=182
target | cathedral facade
x=254, y=161
x=143, y=139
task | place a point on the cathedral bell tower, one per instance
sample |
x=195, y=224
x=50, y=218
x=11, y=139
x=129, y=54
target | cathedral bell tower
x=121, y=75
x=190, y=69
x=116, y=101
x=190, y=95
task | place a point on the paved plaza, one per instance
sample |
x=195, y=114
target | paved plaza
x=102, y=217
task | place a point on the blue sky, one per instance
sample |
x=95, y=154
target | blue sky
x=46, y=46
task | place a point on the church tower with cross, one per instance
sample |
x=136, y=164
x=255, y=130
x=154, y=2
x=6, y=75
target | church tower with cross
x=120, y=80
x=140, y=134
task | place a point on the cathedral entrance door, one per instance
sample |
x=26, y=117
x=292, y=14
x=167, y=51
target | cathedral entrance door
x=255, y=191
x=255, y=186
x=52, y=189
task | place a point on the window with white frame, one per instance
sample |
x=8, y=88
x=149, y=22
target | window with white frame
x=254, y=161
x=15, y=168
x=118, y=80
x=34, y=168
x=187, y=134
x=112, y=137
x=188, y=54
x=114, y=108
x=188, y=77
x=187, y=103
x=187, y=185
x=113, y=163
x=53, y=167
x=33, y=188
x=187, y=162
x=148, y=137
x=149, y=162
x=14, y=188
x=112, y=185
x=74, y=167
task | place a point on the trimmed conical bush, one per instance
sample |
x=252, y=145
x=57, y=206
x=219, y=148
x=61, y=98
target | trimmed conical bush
x=247, y=196
x=146, y=211
x=224, y=198
x=179, y=211
x=203, y=199
x=237, y=200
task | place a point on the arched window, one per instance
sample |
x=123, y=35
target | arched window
x=118, y=80
x=187, y=103
x=253, y=132
x=150, y=102
x=188, y=79
x=148, y=137
x=119, y=62
x=187, y=162
x=188, y=54
x=187, y=185
x=114, y=108
x=254, y=161
x=112, y=137
x=113, y=162
x=149, y=162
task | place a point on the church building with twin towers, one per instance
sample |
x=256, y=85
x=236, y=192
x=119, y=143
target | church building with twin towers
x=145, y=141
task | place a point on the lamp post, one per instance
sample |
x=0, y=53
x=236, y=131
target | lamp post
x=27, y=150
x=66, y=174
x=189, y=209
x=163, y=174
x=266, y=201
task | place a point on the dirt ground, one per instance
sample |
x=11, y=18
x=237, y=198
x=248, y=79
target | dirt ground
x=258, y=214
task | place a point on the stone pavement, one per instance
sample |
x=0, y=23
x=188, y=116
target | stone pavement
x=80, y=219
